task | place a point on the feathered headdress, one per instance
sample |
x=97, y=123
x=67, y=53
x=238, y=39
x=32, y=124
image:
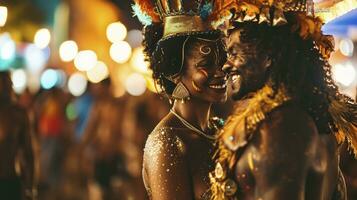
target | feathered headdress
x=178, y=16
x=309, y=17
x=145, y=10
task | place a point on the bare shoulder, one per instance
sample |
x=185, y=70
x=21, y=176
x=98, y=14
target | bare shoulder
x=163, y=142
x=289, y=131
x=166, y=172
x=290, y=121
x=285, y=148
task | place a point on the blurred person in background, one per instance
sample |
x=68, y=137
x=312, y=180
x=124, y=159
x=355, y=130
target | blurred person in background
x=187, y=65
x=83, y=106
x=103, y=137
x=51, y=126
x=135, y=132
x=15, y=146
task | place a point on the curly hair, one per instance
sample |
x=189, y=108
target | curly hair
x=165, y=55
x=298, y=65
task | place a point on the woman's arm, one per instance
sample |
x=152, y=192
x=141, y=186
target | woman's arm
x=166, y=167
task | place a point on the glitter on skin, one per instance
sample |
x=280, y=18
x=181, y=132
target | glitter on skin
x=162, y=154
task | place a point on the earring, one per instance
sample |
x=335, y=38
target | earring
x=195, y=87
x=181, y=93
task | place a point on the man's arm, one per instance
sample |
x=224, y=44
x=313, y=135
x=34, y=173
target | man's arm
x=166, y=168
x=288, y=138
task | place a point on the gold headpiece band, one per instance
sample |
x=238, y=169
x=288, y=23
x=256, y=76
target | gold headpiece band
x=183, y=24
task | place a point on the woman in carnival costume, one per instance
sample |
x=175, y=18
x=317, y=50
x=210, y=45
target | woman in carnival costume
x=186, y=56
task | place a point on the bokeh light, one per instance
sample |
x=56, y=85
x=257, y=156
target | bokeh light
x=42, y=38
x=120, y=52
x=150, y=84
x=19, y=80
x=116, y=32
x=7, y=51
x=35, y=57
x=134, y=38
x=138, y=62
x=98, y=73
x=49, y=79
x=135, y=84
x=85, y=60
x=77, y=84
x=346, y=47
x=344, y=74
x=119, y=91
x=71, y=112
x=3, y=15
x=33, y=83
x=62, y=78
x=68, y=50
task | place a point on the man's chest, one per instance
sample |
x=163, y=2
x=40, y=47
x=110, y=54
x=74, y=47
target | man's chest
x=245, y=171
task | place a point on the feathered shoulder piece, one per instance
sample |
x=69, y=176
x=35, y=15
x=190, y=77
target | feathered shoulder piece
x=239, y=126
x=344, y=115
x=237, y=132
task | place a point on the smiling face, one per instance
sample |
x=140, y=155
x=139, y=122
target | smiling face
x=203, y=75
x=246, y=64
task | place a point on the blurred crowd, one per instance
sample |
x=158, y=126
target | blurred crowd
x=90, y=147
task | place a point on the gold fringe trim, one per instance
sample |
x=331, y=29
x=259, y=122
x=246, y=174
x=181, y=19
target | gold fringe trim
x=307, y=25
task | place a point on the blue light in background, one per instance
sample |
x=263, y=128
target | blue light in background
x=7, y=51
x=49, y=79
x=341, y=25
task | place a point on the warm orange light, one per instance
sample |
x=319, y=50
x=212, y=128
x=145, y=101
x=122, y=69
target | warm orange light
x=98, y=73
x=137, y=61
x=85, y=60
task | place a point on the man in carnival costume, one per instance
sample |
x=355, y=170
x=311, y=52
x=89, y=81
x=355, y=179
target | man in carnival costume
x=186, y=56
x=282, y=141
